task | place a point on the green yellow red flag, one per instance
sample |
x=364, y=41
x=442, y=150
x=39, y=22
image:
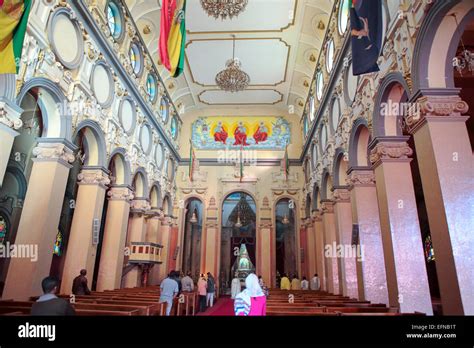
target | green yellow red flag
x=13, y=23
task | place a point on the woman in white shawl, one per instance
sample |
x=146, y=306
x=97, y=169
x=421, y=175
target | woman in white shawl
x=251, y=301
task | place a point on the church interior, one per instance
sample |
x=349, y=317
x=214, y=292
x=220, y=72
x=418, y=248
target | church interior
x=253, y=143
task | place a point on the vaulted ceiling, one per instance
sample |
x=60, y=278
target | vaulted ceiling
x=277, y=41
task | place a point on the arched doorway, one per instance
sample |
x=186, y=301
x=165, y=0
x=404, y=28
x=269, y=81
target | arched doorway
x=192, y=240
x=238, y=238
x=285, y=237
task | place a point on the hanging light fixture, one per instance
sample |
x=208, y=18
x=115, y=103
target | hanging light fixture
x=193, y=219
x=233, y=78
x=223, y=8
x=285, y=220
x=464, y=61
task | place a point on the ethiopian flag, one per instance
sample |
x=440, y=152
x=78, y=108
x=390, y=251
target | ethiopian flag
x=13, y=22
x=173, y=35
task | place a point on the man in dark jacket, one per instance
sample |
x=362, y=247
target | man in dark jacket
x=211, y=289
x=49, y=303
x=79, y=284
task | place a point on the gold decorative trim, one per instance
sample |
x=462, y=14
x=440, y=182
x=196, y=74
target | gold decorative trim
x=240, y=39
x=212, y=90
x=289, y=24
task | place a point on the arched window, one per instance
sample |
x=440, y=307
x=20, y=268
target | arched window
x=312, y=109
x=330, y=55
x=164, y=109
x=319, y=85
x=114, y=20
x=136, y=59
x=305, y=126
x=151, y=88
x=343, y=18
x=174, y=128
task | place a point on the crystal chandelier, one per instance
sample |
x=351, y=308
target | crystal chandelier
x=232, y=78
x=223, y=8
x=464, y=61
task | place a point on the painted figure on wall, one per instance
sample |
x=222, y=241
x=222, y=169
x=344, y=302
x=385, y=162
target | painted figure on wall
x=261, y=134
x=253, y=132
x=220, y=133
x=240, y=135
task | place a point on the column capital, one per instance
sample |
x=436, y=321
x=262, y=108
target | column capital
x=94, y=176
x=433, y=103
x=120, y=193
x=342, y=194
x=139, y=206
x=316, y=216
x=59, y=150
x=361, y=178
x=265, y=223
x=390, y=149
x=327, y=207
x=10, y=114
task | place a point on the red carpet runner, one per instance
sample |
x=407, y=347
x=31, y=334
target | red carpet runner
x=223, y=307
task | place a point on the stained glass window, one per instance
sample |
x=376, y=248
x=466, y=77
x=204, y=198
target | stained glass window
x=3, y=229
x=319, y=85
x=135, y=59
x=151, y=87
x=114, y=20
x=429, y=251
x=305, y=126
x=343, y=16
x=174, y=128
x=164, y=109
x=58, y=244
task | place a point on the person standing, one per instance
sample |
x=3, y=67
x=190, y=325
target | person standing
x=252, y=301
x=295, y=283
x=202, y=291
x=49, y=304
x=79, y=284
x=211, y=289
x=285, y=282
x=187, y=283
x=235, y=287
x=304, y=284
x=169, y=289
x=315, y=283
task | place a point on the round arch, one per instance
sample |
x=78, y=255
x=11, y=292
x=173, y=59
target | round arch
x=167, y=205
x=389, y=106
x=326, y=185
x=120, y=167
x=54, y=107
x=437, y=41
x=358, y=144
x=340, y=167
x=94, y=143
x=140, y=183
x=155, y=196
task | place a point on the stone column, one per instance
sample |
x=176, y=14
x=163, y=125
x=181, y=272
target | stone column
x=365, y=213
x=265, y=244
x=351, y=255
x=407, y=279
x=211, y=241
x=164, y=239
x=137, y=233
x=40, y=218
x=311, y=249
x=447, y=170
x=318, y=227
x=153, y=236
x=174, y=247
x=115, y=234
x=330, y=248
x=81, y=251
x=10, y=122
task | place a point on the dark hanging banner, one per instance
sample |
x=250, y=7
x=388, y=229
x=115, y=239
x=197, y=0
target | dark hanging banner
x=366, y=32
